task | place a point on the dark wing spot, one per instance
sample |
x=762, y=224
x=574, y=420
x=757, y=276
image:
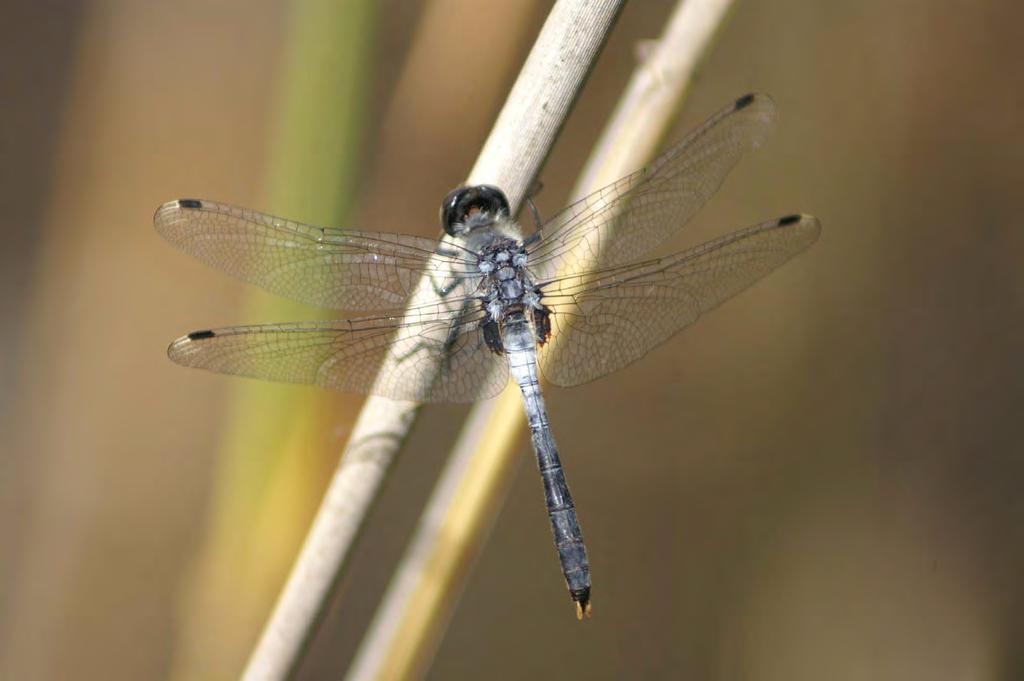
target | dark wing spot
x=744, y=101
x=190, y=203
x=200, y=335
x=788, y=220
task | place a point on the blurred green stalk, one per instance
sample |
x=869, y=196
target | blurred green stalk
x=276, y=445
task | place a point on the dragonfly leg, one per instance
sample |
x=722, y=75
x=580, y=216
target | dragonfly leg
x=535, y=189
x=492, y=336
x=542, y=324
x=442, y=290
x=445, y=347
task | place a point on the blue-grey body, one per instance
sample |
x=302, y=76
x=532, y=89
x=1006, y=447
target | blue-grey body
x=516, y=323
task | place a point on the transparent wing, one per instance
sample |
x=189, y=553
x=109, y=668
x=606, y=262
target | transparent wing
x=429, y=355
x=626, y=220
x=331, y=268
x=621, y=313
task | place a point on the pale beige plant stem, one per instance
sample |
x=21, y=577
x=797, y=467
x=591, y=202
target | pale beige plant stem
x=466, y=500
x=511, y=158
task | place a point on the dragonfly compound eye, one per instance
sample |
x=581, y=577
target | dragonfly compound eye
x=463, y=203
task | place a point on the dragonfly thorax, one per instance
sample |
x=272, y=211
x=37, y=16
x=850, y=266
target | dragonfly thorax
x=503, y=266
x=510, y=287
x=510, y=296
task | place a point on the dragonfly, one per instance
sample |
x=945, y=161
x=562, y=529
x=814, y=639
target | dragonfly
x=450, y=319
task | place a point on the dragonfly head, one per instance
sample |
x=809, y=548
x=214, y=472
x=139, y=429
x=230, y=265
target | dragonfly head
x=466, y=208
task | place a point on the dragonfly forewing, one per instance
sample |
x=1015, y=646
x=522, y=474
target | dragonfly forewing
x=627, y=219
x=330, y=268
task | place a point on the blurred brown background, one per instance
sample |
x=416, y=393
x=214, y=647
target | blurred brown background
x=819, y=480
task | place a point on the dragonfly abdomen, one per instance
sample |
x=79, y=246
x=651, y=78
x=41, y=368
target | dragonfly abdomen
x=519, y=341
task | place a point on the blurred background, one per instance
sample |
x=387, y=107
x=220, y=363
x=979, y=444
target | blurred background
x=819, y=480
